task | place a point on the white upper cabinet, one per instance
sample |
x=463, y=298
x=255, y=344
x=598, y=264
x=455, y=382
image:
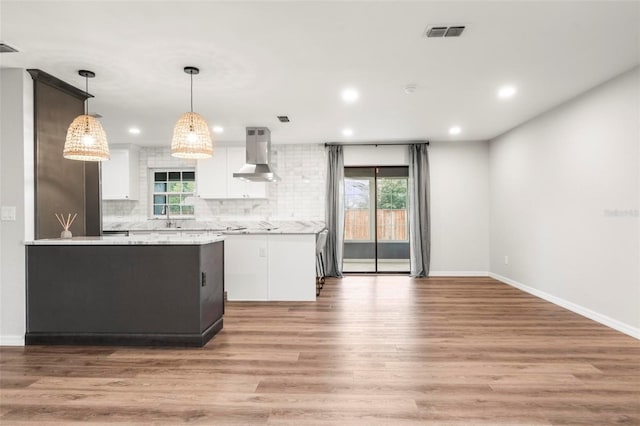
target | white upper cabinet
x=211, y=175
x=235, y=159
x=120, y=174
x=215, y=176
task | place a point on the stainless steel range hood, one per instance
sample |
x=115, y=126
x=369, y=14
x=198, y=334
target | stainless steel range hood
x=258, y=167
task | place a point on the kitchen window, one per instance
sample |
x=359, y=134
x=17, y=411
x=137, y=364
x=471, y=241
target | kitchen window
x=173, y=192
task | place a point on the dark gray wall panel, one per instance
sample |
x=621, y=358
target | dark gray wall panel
x=61, y=185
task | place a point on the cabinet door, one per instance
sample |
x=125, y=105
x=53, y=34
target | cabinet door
x=115, y=176
x=236, y=157
x=211, y=284
x=292, y=267
x=211, y=175
x=245, y=267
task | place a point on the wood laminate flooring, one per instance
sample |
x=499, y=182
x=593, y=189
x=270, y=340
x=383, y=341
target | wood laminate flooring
x=373, y=350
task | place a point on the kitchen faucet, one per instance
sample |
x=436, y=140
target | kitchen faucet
x=165, y=210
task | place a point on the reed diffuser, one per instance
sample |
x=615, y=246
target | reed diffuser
x=66, y=224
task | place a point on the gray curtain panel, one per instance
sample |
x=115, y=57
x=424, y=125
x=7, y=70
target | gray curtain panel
x=419, y=217
x=334, y=214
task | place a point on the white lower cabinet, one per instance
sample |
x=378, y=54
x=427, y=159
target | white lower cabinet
x=270, y=267
x=292, y=267
x=245, y=267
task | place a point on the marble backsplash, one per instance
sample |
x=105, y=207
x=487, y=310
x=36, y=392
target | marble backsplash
x=298, y=195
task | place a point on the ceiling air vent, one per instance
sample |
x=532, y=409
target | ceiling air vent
x=443, y=31
x=454, y=31
x=283, y=118
x=436, y=32
x=5, y=48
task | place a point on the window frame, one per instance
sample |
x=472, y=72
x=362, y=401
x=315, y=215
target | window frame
x=153, y=193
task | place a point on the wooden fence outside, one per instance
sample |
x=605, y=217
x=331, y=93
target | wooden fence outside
x=392, y=225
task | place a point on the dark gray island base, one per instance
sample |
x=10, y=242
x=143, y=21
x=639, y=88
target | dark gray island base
x=156, y=293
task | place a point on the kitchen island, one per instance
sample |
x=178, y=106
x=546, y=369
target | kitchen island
x=144, y=290
x=264, y=261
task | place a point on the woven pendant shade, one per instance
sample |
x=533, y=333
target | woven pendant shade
x=86, y=140
x=191, y=137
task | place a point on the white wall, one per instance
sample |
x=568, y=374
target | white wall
x=372, y=155
x=459, y=173
x=16, y=189
x=459, y=208
x=565, y=195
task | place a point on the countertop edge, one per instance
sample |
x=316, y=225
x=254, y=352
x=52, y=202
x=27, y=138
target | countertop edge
x=299, y=228
x=127, y=241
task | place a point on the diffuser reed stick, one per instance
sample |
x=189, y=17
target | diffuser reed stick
x=65, y=222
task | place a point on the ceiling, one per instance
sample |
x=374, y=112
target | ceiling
x=263, y=59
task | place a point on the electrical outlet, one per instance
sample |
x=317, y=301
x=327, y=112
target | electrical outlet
x=263, y=252
x=506, y=260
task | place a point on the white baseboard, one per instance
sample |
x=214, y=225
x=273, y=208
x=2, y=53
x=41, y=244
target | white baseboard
x=11, y=340
x=581, y=310
x=458, y=274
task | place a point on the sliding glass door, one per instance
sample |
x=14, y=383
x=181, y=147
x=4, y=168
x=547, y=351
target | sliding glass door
x=359, y=219
x=376, y=229
x=392, y=226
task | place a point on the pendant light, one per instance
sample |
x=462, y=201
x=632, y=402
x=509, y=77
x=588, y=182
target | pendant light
x=86, y=139
x=191, y=136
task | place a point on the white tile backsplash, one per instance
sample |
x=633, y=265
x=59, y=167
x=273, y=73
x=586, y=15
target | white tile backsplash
x=298, y=195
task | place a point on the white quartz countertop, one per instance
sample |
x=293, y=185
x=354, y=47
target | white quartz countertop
x=149, y=240
x=223, y=227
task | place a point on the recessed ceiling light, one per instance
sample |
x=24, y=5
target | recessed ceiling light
x=134, y=130
x=505, y=92
x=218, y=129
x=350, y=95
x=347, y=132
x=455, y=130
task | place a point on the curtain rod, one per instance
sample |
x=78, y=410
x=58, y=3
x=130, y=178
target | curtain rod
x=377, y=143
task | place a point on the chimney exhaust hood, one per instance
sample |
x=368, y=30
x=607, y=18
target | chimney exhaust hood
x=258, y=167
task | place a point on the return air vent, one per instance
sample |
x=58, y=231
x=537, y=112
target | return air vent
x=436, y=32
x=283, y=118
x=5, y=48
x=442, y=31
x=454, y=31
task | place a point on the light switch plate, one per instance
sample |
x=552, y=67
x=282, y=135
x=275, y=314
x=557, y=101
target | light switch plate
x=8, y=213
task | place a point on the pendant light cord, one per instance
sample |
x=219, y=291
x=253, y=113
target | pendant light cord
x=191, y=74
x=86, y=92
